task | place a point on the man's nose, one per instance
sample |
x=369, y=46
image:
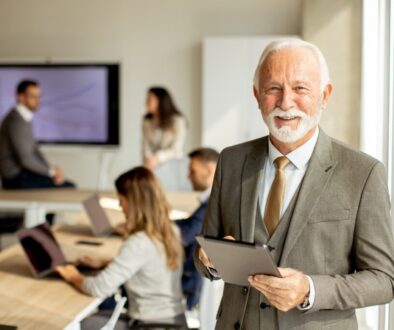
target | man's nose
x=286, y=101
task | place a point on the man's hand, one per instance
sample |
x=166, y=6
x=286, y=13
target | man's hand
x=283, y=293
x=58, y=176
x=204, y=258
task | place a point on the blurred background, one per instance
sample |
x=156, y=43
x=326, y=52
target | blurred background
x=174, y=43
x=205, y=53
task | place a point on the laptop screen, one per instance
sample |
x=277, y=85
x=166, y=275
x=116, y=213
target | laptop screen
x=97, y=216
x=41, y=248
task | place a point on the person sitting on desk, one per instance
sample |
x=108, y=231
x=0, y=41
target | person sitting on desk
x=163, y=130
x=148, y=263
x=202, y=168
x=22, y=165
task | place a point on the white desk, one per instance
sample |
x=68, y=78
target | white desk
x=36, y=203
x=48, y=303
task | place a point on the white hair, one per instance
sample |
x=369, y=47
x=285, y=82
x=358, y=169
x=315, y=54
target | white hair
x=282, y=43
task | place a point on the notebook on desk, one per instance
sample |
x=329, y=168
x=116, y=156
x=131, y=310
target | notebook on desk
x=101, y=226
x=43, y=251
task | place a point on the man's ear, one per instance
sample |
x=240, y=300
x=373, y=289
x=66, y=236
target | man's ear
x=20, y=98
x=256, y=95
x=211, y=168
x=326, y=94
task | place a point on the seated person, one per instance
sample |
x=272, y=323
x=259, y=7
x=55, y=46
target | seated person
x=201, y=173
x=148, y=263
x=22, y=165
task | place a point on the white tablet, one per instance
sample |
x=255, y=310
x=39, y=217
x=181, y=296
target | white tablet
x=235, y=261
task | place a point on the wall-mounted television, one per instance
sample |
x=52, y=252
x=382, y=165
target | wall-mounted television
x=79, y=105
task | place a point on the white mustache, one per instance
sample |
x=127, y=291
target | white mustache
x=287, y=114
x=285, y=133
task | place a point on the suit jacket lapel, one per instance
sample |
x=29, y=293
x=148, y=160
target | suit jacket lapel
x=251, y=179
x=321, y=167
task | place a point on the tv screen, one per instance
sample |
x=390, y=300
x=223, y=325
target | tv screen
x=79, y=105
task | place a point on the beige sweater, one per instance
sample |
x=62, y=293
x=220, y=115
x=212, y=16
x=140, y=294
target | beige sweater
x=153, y=290
x=166, y=144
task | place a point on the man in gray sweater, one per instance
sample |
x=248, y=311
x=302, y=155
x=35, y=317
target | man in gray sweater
x=22, y=165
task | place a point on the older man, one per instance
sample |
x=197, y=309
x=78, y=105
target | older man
x=323, y=206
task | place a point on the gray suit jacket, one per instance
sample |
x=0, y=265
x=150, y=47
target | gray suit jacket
x=18, y=148
x=339, y=233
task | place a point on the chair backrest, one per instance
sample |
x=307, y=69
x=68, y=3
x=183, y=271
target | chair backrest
x=110, y=325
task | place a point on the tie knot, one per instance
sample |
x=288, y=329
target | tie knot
x=281, y=162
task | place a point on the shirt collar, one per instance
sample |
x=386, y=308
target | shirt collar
x=204, y=196
x=26, y=114
x=298, y=157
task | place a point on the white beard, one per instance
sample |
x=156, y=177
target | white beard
x=285, y=133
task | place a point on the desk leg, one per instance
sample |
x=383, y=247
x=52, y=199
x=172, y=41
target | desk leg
x=34, y=215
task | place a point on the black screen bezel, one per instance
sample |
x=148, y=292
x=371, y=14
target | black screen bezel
x=113, y=106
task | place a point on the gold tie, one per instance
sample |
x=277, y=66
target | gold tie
x=275, y=196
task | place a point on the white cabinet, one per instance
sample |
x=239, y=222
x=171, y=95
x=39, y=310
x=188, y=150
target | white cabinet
x=229, y=111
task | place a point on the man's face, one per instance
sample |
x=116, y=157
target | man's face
x=289, y=93
x=199, y=174
x=31, y=98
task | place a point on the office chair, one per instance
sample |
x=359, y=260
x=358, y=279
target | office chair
x=110, y=325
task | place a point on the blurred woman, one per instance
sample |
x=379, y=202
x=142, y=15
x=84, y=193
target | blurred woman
x=148, y=263
x=163, y=129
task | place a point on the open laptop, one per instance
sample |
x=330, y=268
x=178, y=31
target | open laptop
x=43, y=251
x=101, y=225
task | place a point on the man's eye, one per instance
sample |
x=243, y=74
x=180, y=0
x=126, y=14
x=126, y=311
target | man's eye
x=300, y=88
x=273, y=89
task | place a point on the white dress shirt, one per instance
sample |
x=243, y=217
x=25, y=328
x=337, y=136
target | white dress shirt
x=204, y=196
x=26, y=114
x=294, y=172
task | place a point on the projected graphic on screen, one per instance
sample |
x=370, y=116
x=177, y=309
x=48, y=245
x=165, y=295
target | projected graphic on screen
x=74, y=105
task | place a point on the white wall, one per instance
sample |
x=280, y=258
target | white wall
x=156, y=41
x=335, y=27
x=230, y=114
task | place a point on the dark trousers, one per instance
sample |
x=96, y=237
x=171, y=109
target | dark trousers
x=30, y=180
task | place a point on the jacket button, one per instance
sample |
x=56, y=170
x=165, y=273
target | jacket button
x=263, y=305
x=245, y=290
x=237, y=326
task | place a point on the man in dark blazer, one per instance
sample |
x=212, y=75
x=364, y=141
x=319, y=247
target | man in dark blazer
x=323, y=206
x=202, y=168
x=22, y=165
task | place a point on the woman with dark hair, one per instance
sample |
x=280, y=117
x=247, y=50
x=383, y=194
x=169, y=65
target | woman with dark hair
x=163, y=130
x=149, y=263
